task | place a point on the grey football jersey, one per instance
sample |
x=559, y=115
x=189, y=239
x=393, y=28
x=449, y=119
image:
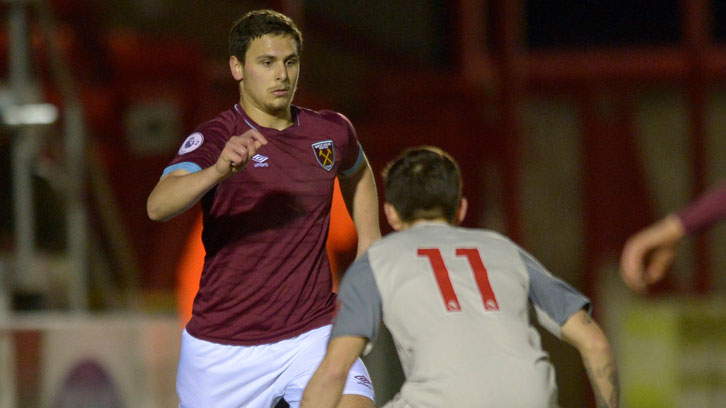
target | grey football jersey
x=456, y=301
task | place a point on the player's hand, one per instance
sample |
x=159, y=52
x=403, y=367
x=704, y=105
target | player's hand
x=238, y=151
x=649, y=253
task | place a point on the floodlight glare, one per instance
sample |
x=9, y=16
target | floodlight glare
x=30, y=114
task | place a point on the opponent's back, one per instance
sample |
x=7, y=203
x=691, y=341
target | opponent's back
x=457, y=304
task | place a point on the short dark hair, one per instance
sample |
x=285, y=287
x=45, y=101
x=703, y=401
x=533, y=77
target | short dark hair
x=423, y=183
x=257, y=23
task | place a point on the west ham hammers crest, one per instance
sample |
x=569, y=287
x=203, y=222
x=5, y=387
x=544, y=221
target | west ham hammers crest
x=325, y=154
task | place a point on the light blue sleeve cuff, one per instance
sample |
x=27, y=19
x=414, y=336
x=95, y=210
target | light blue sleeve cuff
x=358, y=163
x=188, y=166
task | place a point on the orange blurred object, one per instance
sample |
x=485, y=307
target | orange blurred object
x=341, y=246
x=342, y=238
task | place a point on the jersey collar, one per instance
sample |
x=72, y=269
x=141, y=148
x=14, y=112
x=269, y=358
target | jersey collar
x=254, y=125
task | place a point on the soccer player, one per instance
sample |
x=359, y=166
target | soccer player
x=456, y=301
x=648, y=254
x=264, y=172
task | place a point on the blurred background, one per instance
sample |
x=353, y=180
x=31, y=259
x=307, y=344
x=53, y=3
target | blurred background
x=576, y=124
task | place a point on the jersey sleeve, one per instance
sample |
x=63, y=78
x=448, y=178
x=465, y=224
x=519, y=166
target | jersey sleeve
x=200, y=149
x=705, y=211
x=553, y=299
x=353, y=156
x=359, y=303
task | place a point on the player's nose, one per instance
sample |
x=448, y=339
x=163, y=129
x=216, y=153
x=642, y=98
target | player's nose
x=281, y=72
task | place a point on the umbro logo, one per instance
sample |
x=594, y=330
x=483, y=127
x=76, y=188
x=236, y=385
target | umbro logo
x=364, y=381
x=260, y=160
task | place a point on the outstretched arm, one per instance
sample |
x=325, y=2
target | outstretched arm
x=649, y=253
x=361, y=199
x=587, y=337
x=179, y=190
x=326, y=386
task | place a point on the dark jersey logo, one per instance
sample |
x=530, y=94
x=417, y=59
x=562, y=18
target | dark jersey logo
x=364, y=381
x=324, y=154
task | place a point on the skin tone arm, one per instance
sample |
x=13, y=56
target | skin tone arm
x=590, y=341
x=361, y=199
x=649, y=253
x=179, y=190
x=326, y=386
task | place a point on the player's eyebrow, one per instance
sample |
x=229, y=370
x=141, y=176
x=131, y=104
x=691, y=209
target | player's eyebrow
x=271, y=56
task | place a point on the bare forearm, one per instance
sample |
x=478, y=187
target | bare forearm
x=604, y=380
x=324, y=390
x=180, y=190
x=603, y=374
x=587, y=336
x=176, y=193
x=326, y=387
x=361, y=198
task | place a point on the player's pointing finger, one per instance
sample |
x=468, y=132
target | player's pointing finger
x=255, y=136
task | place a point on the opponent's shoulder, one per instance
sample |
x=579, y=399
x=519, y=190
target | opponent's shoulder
x=392, y=238
x=486, y=234
x=392, y=244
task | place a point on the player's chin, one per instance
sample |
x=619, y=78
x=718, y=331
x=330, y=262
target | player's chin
x=279, y=105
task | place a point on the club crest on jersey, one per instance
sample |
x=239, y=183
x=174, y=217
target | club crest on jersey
x=324, y=154
x=191, y=143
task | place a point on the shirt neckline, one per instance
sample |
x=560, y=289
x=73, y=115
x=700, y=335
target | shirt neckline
x=254, y=125
x=431, y=223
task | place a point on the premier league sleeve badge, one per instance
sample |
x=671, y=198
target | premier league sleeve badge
x=191, y=143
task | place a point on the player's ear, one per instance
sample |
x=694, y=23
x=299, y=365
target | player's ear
x=392, y=216
x=461, y=211
x=235, y=66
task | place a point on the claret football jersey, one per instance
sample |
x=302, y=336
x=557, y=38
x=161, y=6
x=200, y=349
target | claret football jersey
x=709, y=208
x=266, y=275
x=457, y=303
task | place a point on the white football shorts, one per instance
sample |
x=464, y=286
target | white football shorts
x=225, y=376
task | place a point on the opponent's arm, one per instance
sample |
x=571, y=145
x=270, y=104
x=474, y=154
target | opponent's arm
x=587, y=337
x=326, y=386
x=647, y=254
x=361, y=199
x=179, y=190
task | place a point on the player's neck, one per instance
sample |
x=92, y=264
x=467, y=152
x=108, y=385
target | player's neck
x=279, y=120
x=421, y=221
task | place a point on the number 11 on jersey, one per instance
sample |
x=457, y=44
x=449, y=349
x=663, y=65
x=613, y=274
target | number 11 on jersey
x=451, y=301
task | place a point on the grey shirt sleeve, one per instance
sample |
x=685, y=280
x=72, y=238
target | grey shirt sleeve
x=554, y=300
x=359, y=303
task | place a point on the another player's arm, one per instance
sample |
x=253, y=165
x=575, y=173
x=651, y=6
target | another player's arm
x=180, y=190
x=587, y=337
x=563, y=311
x=361, y=199
x=326, y=386
x=356, y=325
x=647, y=254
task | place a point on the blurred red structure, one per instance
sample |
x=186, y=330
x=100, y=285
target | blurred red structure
x=124, y=75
